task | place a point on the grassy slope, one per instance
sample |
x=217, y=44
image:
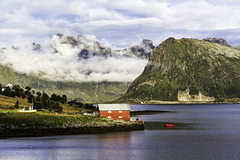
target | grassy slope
x=7, y=104
x=88, y=92
x=174, y=65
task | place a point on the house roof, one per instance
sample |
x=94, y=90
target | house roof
x=114, y=107
x=9, y=85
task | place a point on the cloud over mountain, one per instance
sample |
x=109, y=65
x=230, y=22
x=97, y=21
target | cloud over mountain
x=58, y=60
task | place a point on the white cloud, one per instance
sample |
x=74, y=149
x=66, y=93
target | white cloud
x=119, y=22
x=66, y=65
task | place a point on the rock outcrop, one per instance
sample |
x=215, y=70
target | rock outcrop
x=218, y=41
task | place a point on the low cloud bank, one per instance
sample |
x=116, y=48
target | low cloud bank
x=65, y=64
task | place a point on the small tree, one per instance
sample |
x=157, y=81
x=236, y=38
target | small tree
x=33, y=91
x=38, y=99
x=64, y=98
x=54, y=97
x=17, y=105
x=28, y=88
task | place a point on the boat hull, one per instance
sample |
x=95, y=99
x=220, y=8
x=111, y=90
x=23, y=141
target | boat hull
x=169, y=125
x=27, y=111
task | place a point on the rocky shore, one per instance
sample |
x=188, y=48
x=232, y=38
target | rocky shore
x=68, y=128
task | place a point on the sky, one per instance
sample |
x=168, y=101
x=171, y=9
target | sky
x=114, y=23
x=121, y=23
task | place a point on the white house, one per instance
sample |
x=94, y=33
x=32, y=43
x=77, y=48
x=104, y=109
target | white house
x=9, y=85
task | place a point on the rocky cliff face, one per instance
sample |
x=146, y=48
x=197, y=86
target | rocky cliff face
x=188, y=70
x=143, y=50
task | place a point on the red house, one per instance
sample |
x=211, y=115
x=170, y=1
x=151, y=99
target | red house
x=115, y=111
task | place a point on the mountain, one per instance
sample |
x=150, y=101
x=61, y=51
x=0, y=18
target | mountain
x=85, y=91
x=142, y=51
x=91, y=47
x=77, y=66
x=188, y=70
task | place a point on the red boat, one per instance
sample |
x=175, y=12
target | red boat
x=169, y=125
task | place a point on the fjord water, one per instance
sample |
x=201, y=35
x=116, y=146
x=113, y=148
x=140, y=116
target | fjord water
x=200, y=132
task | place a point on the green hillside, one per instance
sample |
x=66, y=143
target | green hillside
x=87, y=92
x=188, y=67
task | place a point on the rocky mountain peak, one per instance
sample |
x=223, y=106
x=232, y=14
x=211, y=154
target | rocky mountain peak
x=218, y=41
x=36, y=46
x=148, y=43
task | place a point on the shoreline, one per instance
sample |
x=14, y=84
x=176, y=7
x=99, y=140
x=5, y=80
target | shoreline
x=71, y=128
x=181, y=102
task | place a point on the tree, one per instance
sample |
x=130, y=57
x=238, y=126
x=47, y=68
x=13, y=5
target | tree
x=12, y=94
x=17, y=90
x=59, y=98
x=38, y=99
x=64, y=98
x=28, y=88
x=45, y=101
x=45, y=97
x=39, y=94
x=31, y=98
x=33, y=91
x=54, y=97
x=7, y=91
x=23, y=96
x=17, y=105
x=55, y=107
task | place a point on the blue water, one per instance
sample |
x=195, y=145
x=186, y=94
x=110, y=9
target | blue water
x=203, y=132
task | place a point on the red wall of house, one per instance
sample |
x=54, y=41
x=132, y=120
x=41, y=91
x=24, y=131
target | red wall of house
x=115, y=115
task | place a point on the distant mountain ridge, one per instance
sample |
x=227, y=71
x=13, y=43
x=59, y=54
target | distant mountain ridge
x=221, y=41
x=218, y=41
x=89, y=48
x=85, y=92
x=188, y=70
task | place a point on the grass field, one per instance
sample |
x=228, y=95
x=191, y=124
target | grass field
x=8, y=103
x=10, y=117
x=41, y=119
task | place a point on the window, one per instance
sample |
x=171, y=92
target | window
x=109, y=117
x=109, y=111
x=120, y=111
x=120, y=117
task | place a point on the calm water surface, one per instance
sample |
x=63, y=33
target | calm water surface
x=203, y=132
